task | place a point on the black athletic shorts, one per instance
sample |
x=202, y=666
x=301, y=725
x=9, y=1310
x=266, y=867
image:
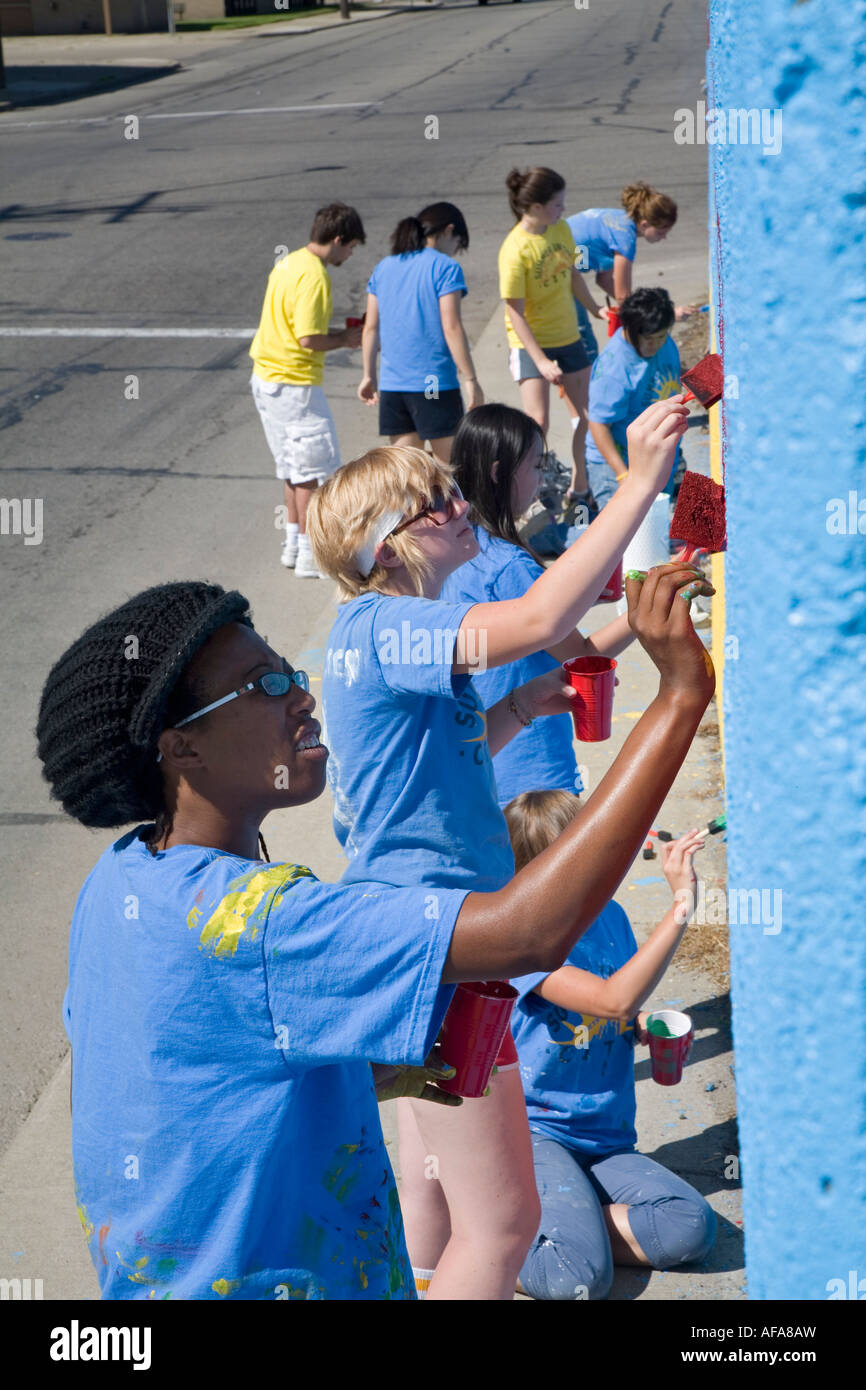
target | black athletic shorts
x=402, y=412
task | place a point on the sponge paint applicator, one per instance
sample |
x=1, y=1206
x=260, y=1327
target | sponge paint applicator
x=699, y=516
x=705, y=381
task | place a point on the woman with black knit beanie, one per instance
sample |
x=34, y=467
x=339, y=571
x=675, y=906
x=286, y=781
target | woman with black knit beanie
x=221, y=1009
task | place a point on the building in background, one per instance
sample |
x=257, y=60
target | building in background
x=19, y=17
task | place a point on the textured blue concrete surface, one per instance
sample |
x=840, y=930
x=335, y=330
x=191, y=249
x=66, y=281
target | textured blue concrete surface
x=790, y=266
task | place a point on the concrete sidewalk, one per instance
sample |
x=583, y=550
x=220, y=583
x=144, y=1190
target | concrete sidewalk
x=48, y=68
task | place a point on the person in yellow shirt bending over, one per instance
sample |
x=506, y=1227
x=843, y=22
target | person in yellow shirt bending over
x=539, y=283
x=288, y=355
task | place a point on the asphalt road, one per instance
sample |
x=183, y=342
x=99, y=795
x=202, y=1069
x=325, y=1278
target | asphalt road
x=178, y=230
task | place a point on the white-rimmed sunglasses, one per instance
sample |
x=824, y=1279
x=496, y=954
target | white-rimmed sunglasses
x=271, y=683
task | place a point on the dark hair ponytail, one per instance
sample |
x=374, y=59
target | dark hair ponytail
x=411, y=234
x=408, y=235
x=486, y=435
x=532, y=186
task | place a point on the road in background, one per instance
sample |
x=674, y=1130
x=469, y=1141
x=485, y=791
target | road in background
x=178, y=230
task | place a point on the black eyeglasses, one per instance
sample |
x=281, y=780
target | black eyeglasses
x=440, y=510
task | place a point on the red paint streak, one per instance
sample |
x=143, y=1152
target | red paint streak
x=103, y=1232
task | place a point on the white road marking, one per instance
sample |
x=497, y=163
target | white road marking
x=193, y=115
x=14, y=332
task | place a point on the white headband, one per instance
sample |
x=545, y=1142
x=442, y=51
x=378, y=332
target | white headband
x=366, y=556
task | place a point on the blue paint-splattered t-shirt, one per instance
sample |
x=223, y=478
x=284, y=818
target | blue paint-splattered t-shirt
x=578, y=1070
x=542, y=756
x=623, y=384
x=410, y=767
x=226, y=1137
x=600, y=234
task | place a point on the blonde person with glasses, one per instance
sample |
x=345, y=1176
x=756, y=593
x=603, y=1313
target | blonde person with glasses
x=411, y=775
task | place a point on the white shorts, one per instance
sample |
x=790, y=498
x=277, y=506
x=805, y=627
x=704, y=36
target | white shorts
x=299, y=428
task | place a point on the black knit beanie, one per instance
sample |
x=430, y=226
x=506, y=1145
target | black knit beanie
x=103, y=706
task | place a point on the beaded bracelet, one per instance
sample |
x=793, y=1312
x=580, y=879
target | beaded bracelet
x=512, y=705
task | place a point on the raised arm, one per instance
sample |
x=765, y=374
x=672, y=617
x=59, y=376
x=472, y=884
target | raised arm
x=533, y=922
x=622, y=994
x=555, y=603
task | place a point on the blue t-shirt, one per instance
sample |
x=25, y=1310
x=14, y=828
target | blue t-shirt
x=623, y=384
x=410, y=769
x=599, y=233
x=226, y=1137
x=412, y=344
x=578, y=1070
x=542, y=756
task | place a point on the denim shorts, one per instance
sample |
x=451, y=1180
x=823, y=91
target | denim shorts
x=571, y=358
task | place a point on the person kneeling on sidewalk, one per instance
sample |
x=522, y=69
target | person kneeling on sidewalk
x=602, y=1202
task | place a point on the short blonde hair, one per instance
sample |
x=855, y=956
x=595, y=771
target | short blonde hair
x=344, y=509
x=536, y=819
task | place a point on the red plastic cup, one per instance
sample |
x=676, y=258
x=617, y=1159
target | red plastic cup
x=593, y=677
x=355, y=323
x=472, y=1034
x=612, y=590
x=613, y=321
x=668, y=1055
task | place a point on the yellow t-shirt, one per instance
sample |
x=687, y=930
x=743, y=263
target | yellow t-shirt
x=536, y=267
x=297, y=305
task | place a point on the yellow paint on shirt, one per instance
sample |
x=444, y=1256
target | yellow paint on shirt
x=87, y=1225
x=225, y=1286
x=227, y=923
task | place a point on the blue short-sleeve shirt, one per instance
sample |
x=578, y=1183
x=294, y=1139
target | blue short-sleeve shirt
x=542, y=756
x=412, y=344
x=578, y=1070
x=410, y=768
x=623, y=384
x=599, y=234
x=226, y=1138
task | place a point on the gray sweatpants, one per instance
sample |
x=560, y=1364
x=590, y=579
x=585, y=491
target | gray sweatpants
x=570, y=1257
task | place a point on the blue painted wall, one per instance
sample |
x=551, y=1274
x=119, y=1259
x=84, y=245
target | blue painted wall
x=790, y=267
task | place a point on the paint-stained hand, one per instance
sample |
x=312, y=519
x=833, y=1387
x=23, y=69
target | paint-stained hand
x=416, y=1083
x=662, y=624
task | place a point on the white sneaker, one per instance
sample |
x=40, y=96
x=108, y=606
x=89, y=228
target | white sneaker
x=305, y=566
x=289, y=552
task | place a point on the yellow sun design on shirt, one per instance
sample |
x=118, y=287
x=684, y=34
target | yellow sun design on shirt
x=668, y=385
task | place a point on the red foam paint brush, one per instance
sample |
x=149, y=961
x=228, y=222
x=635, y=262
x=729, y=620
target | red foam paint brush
x=705, y=381
x=699, y=516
